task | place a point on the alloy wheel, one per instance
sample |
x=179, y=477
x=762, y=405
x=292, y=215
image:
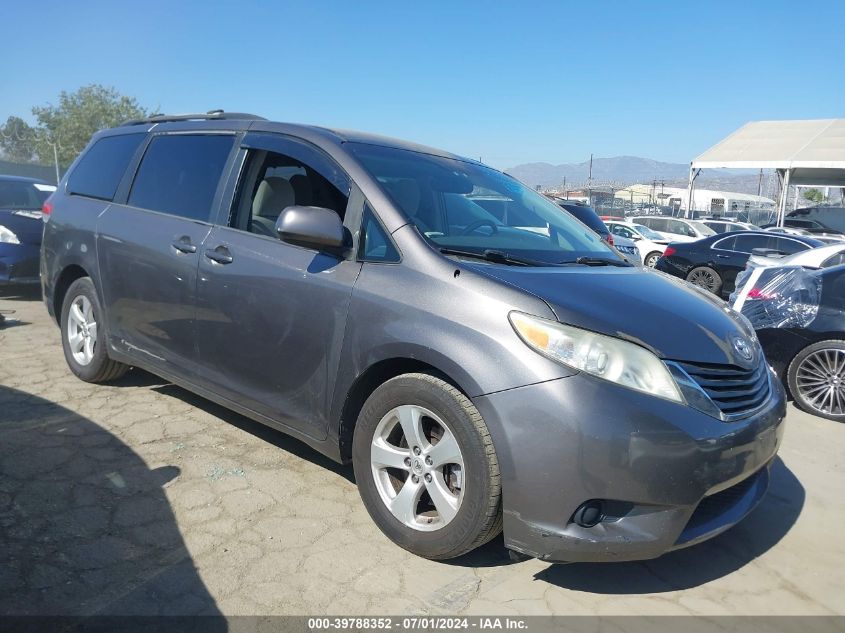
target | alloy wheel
x=821, y=381
x=704, y=278
x=82, y=330
x=418, y=467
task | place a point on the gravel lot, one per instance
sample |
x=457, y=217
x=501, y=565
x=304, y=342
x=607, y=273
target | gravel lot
x=143, y=498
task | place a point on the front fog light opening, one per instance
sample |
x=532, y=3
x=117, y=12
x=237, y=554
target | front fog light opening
x=589, y=514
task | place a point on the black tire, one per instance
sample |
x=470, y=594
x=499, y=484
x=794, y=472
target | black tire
x=652, y=257
x=798, y=371
x=707, y=278
x=479, y=516
x=101, y=368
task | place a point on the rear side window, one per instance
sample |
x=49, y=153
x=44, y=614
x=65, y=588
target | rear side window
x=834, y=260
x=179, y=174
x=101, y=168
x=747, y=243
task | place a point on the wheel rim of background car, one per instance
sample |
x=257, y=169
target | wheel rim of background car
x=651, y=260
x=703, y=278
x=821, y=381
x=82, y=330
x=418, y=467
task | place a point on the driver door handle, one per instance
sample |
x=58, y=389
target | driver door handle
x=219, y=255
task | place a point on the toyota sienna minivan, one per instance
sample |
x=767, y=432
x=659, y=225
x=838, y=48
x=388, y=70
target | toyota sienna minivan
x=470, y=360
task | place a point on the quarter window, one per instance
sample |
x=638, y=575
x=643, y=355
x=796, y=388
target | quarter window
x=101, y=168
x=375, y=244
x=179, y=174
x=785, y=245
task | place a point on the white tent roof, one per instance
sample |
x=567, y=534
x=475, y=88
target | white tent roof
x=813, y=149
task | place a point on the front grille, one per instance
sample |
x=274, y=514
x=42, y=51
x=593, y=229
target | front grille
x=734, y=390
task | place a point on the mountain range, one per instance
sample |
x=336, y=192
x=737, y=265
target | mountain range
x=626, y=170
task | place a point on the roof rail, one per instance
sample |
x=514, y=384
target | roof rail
x=200, y=116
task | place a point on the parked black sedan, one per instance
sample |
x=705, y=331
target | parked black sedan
x=714, y=262
x=799, y=317
x=21, y=227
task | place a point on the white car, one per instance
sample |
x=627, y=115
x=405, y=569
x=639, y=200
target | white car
x=675, y=229
x=650, y=243
x=821, y=257
x=827, y=238
x=729, y=226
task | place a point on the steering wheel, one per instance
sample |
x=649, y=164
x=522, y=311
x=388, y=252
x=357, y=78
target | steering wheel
x=478, y=224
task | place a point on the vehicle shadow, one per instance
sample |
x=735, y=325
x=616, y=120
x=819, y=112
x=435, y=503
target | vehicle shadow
x=702, y=563
x=85, y=526
x=25, y=292
x=270, y=435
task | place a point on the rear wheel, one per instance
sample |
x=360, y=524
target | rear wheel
x=426, y=468
x=651, y=259
x=83, y=335
x=707, y=278
x=816, y=378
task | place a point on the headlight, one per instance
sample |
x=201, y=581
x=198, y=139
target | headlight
x=602, y=356
x=7, y=237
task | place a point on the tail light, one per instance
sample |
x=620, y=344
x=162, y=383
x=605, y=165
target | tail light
x=610, y=238
x=757, y=293
x=47, y=207
x=670, y=250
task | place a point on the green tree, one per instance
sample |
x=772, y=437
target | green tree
x=813, y=195
x=17, y=138
x=69, y=125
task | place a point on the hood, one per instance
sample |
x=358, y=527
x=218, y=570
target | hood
x=673, y=319
x=27, y=225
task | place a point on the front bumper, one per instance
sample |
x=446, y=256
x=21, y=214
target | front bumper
x=19, y=263
x=674, y=476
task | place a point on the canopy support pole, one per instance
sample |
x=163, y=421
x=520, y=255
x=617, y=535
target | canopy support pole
x=693, y=174
x=784, y=194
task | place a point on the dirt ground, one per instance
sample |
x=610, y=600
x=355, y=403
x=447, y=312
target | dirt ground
x=143, y=498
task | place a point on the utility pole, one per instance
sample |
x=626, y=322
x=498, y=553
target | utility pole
x=56, y=159
x=590, y=183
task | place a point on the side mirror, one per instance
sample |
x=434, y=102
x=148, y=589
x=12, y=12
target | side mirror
x=316, y=228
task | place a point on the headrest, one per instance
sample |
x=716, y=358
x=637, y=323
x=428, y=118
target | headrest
x=274, y=195
x=302, y=189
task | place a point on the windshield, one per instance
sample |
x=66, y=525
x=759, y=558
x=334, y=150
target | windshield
x=647, y=232
x=702, y=228
x=22, y=195
x=463, y=206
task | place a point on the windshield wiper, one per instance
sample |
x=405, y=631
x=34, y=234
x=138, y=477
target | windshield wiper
x=599, y=261
x=497, y=257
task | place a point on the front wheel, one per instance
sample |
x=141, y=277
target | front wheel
x=426, y=467
x=84, y=336
x=816, y=378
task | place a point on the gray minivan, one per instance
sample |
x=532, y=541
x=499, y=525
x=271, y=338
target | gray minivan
x=469, y=359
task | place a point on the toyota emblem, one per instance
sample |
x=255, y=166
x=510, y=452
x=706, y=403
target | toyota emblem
x=743, y=348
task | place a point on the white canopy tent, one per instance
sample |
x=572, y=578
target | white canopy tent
x=804, y=153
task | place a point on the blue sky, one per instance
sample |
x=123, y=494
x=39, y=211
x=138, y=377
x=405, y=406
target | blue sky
x=509, y=82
